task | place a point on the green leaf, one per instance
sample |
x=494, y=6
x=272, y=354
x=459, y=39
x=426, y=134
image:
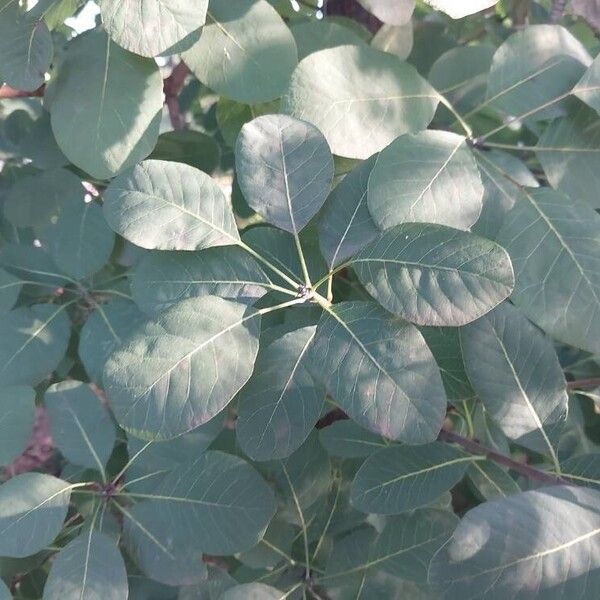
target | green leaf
x=554, y=245
x=401, y=478
x=284, y=169
x=162, y=279
x=533, y=69
x=582, y=470
x=33, y=507
x=435, y=275
x=408, y=542
x=31, y=264
x=180, y=371
x=517, y=376
x=79, y=240
x=430, y=177
x=360, y=98
x=270, y=551
x=461, y=74
x=152, y=546
x=10, y=288
x=380, y=371
x=17, y=410
x=25, y=48
x=151, y=27
x=36, y=201
x=491, y=480
x=569, y=152
x=252, y=591
x=500, y=192
x=231, y=116
x=345, y=224
x=81, y=427
x=345, y=439
x=588, y=87
x=216, y=504
x=280, y=404
x=395, y=13
x=104, y=330
x=32, y=343
x=541, y=543
x=90, y=566
x=312, y=36
x=444, y=344
x=119, y=99
x=39, y=145
x=169, y=206
x=245, y=52
x=192, y=148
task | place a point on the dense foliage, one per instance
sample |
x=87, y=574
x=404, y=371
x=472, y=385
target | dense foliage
x=308, y=304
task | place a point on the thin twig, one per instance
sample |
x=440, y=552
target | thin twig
x=171, y=87
x=8, y=92
x=592, y=382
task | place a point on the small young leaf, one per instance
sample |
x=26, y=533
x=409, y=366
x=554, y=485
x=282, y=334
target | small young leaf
x=284, y=169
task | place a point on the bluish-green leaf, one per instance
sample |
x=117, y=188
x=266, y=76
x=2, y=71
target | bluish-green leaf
x=380, y=371
x=284, y=169
x=169, y=206
x=401, y=478
x=33, y=507
x=435, y=275
x=346, y=439
x=17, y=415
x=180, y=371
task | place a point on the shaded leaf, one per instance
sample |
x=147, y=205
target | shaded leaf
x=110, y=130
x=89, y=567
x=32, y=343
x=280, y=404
x=81, y=427
x=401, y=478
x=491, y=481
x=541, y=543
x=554, y=245
x=312, y=36
x=17, y=407
x=517, y=377
x=346, y=439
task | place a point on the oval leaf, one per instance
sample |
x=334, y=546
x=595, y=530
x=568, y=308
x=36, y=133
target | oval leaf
x=169, y=206
x=180, y=371
x=17, y=407
x=380, y=371
x=434, y=275
x=284, y=169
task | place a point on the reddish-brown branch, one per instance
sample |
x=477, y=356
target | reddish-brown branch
x=471, y=446
x=583, y=383
x=172, y=86
x=7, y=92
